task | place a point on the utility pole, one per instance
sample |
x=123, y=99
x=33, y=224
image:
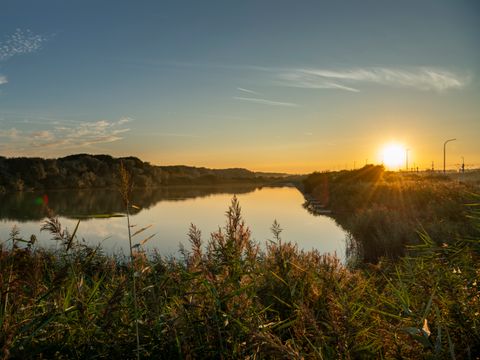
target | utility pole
x=406, y=158
x=445, y=152
x=463, y=164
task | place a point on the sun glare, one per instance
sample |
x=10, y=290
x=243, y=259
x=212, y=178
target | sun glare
x=393, y=156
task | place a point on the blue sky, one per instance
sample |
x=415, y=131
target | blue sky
x=268, y=85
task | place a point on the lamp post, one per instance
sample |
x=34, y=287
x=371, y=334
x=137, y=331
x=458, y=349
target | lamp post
x=406, y=158
x=444, y=152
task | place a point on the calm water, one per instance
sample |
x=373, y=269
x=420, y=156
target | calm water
x=170, y=211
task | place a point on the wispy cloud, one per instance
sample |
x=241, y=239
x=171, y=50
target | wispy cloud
x=9, y=134
x=21, y=42
x=425, y=78
x=124, y=120
x=421, y=78
x=18, y=43
x=44, y=135
x=265, y=101
x=85, y=134
x=247, y=91
x=174, y=135
x=64, y=135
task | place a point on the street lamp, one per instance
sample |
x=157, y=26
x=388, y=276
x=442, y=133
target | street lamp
x=406, y=158
x=444, y=152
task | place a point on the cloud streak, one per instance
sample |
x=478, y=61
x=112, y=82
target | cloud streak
x=173, y=135
x=247, y=91
x=265, y=101
x=420, y=78
x=353, y=79
x=11, y=134
x=65, y=135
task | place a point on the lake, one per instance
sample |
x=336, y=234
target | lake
x=170, y=211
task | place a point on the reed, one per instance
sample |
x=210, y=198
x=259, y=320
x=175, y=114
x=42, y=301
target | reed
x=385, y=210
x=228, y=299
x=126, y=186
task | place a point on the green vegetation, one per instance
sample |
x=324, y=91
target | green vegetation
x=83, y=171
x=228, y=299
x=385, y=211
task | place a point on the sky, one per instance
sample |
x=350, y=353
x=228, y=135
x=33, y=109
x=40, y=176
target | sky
x=271, y=85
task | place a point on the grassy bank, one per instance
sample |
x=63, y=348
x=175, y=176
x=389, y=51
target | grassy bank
x=227, y=299
x=385, y=211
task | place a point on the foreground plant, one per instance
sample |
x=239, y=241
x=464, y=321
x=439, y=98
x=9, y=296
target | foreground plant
x=126, y=186
x=228, y=298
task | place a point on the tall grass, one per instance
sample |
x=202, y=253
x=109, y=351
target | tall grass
x=384, y=210
x=228, y=299
x=126, y=186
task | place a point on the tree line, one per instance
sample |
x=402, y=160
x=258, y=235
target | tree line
x=83, y=171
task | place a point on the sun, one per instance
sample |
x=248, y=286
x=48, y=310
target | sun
x=394, y=156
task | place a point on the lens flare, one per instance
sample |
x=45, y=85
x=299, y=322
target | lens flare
x=41, y=200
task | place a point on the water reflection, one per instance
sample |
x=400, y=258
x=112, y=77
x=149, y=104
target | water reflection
x=170, y=211
x=27, y=206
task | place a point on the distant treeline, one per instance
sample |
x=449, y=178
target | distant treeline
x=85, y=171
